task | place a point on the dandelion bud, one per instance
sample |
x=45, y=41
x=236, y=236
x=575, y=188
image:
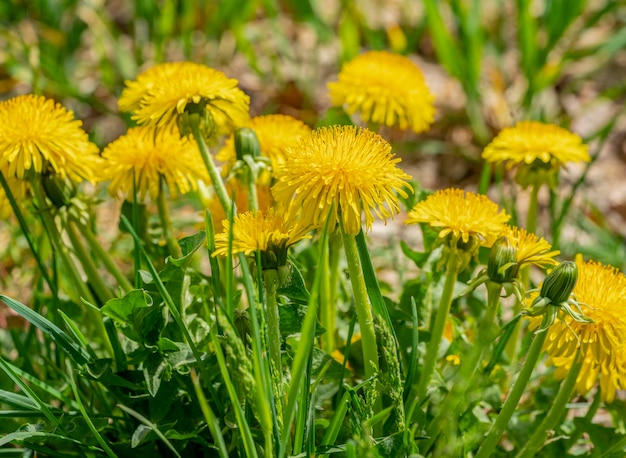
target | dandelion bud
x=196, y=116
x=502, y=261
x=246, y=143
x=59, y=190
x=560, y=283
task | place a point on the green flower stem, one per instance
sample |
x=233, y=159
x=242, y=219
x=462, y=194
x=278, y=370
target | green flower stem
x=533, y=207
x=328, y=299
x=453, y=403
x=555, y=413
x=497, y=429
x=216, y=179
x=363, y=309
x=24, y=227
x=96, y=281
x=166, y=223
x=105, y=257
x=363, y=312
x=270, y=280
x=79, y=286
x=436, y=333
x=253, y=198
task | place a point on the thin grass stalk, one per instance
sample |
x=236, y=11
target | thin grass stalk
x=152, y=426
x=271, y=281
x=209, y=416
x=557, y=410
x=24, y=228
x=332, y=431
x=432, y=351
x=136, y=241
x=166, y=223
x=502, y=421
x=105, y=258
x=264, y=397
x=453, y=403
x=303, y=352
x=246, y=434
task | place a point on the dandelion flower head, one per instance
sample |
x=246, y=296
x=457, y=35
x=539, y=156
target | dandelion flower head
x=270, y=232
x=601, y=293
x=41, y=136
x=462, y=215
x=530, y=248
x=536, y=148
x=152, y=155
x=161, y=94
x=384, y=88
x=276, y=132
x=340, y=172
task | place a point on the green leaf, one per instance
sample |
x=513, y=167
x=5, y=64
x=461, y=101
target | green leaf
x=293, y=286
x=188, y=246
x=291, y=319
x=155, y=368
x=73, y=348
x=137, y=317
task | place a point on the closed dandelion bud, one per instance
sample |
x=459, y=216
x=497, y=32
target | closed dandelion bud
x=246, y=143
x=196, y=116
x=559, y=284
x=502, y=266
x=59, y=190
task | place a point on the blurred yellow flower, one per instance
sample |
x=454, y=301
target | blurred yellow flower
x=161, y=94
x=342, y=170
x=152, y=155
x=276, y=132
x=463, y=215
x=537, y=149
x=601, y=293
x=39, y=135
x=386, y=89
x=269, y=232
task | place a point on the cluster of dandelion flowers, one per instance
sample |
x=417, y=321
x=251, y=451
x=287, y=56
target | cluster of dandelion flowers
x=536, y=148
x=601, y=293
x=269, y=232
x=340, y=172
x=151, y=156
x=385, y=89
x=162, y=93
x=39, y=136
x=276, y=132
x=461, y=216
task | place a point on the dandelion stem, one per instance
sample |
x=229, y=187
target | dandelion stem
x=453, y=403
x=363, y=312
x=555, y=413
x=329, y=292
x=533, y=209
x=166, y=223
x=497, y=429
x=216, y=180
x=436, y=333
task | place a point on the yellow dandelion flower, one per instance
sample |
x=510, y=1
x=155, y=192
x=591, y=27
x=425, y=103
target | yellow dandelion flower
x=461, y=214
x=39, y=135
x=269, y=232
x=348, y=169
x=386, y=89
x=530, y=248
x=601, y=293
x=276, y=132
x=152, y=155
x=160, y=94
x=537, y=149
